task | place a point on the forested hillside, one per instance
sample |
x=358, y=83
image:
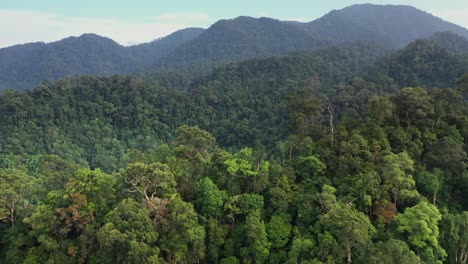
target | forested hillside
x=351, y=154
x=198, y=51
x=388, y=25
x=422, y=63
x=25, y=66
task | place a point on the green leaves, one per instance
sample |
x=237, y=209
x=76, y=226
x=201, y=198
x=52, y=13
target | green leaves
x=350, y=228
x=395, y=171
x=16, y=193
x=258, y=244
x=128, y=235
x=279, y=230
x=98, y=187
x=209, y=198
x=419, y=224
x=193, y=143
x=153, y=180
x=393, y=251
x=182, y=237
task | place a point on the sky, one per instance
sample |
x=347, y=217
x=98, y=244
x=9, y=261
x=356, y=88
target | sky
x=137, y=21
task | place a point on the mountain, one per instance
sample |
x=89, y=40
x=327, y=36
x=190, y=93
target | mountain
x=147, y=53
x=241, y=38
x=23, y=66
x=392, y=25
x=422, y=63
x=198, y=51
x=389, y=26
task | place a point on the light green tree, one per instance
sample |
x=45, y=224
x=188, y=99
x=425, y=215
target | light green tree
x=209, y=198
x=16, y=192
x=395, y=171
x=149, y=180
x=419, y=225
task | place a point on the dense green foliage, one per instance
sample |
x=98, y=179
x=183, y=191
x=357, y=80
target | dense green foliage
x=450, y=41
x=308, y=158
x=421, y=63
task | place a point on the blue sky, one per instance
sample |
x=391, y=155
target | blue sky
x=137, y=21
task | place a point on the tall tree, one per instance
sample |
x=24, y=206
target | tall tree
x=16, y=194
x=350, y=228
x=395, y=170
x=419, y=225
x=127, y=236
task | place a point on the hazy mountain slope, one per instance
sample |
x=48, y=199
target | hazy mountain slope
x=245, y=37
x=87, y=54
x=241, y=38
x=149, y=52
x=198, y=51
x=421, y=63
x=394, y=25
x=23, y=66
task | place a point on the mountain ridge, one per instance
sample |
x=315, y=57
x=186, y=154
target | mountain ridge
x=227, y=40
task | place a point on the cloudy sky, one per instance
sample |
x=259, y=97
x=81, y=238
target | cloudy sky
x=136, y=21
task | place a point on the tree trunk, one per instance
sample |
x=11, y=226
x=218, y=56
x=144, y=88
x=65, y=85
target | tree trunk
x=348, y=253
x=463, y=256
x=12, y=214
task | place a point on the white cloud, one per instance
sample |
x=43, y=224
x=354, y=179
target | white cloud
x=17, y=27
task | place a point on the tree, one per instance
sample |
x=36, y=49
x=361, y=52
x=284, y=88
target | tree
x=305, y=112
x=449, y=155
x=419, y=225
x=454, y=236
x=193, y=145
x=258, y=246
x=310, y=167
x=215, y=239
x=301, y=250
x=413, y=104
x=98, y=187
x=431, y=182
x=247, y=174
x=279, y=230
x=61, y=229
x=350, y=228
x=150, y=181
x=182, y=237
x=380, y=109
x=128, y=236
x=54, y=172
x=461, y=237
x=395, y=170
x=393, y=251
x=16, y=192
x=209, y=198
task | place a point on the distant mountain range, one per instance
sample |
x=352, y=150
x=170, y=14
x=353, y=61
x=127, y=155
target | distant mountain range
x=387, y=26
x=23, y=66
